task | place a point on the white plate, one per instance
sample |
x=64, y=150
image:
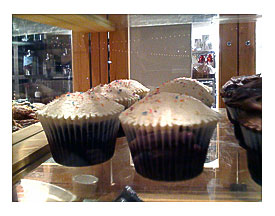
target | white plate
x=37, y=191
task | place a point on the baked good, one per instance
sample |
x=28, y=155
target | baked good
x=248, y=90
x=231, y=86
x=188, y=86
x=168, y=135
x=15, y=126
x=81, y=128
x=21, y=112
x=240, y=100
x=119, y=94
x=133, y=85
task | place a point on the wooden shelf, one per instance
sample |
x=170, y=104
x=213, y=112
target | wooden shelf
x=30, y=148
x=74, y=22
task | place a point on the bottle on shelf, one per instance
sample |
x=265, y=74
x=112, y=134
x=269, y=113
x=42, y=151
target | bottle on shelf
x=37, y=95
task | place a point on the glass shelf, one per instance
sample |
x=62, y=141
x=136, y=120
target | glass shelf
x=225, y=176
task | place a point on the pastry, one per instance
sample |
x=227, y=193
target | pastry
x=81, y=128
x=168, y=135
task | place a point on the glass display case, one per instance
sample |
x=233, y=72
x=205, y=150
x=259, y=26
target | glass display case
x=42, y=61
x=58, y=54
x=225, y=177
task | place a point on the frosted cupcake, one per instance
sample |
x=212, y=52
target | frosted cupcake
x=238, y=103
x=133, y=85
x=168, y=135
x=81, y=128
x=251, y=88
x=119, y=94
x=188, y=86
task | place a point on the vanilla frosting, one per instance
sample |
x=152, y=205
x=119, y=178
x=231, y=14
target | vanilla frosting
x=116, y=92
x=168, y=109
x=133, y=85
x=80, y=105
x=188, y=86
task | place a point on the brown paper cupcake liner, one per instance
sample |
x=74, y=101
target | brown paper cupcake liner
x=81, y=144
x=170, y=153
x=254, y=161
x=233, y=114
x=227, y=110
x=253, y=141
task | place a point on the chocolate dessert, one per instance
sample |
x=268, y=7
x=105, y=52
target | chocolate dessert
x=244, y=99
x=231, y=85
x=229, y=88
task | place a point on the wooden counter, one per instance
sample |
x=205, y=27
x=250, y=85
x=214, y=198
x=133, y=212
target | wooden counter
x=227, y=167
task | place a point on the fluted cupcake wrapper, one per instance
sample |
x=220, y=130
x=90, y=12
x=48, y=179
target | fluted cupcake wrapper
x=253, y=141
x=169, y=154
x=85, y=144
x=233, y=114
x=227, y=110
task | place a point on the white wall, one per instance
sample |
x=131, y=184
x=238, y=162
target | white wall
x=160, y=53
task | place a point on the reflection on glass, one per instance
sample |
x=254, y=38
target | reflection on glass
x=42, y=62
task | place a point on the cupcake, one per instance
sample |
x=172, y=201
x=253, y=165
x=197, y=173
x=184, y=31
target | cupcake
x=250, y=89
x=231, y=85
x=168, y=135
x=188, y=86
x=81, y=128
x=236, y=104
x=133, y=85
x=119, y=94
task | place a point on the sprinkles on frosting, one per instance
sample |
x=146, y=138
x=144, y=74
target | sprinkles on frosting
x=165, y=108
x=183, y=85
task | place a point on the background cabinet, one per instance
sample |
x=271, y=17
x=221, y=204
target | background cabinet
x=237, y=49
